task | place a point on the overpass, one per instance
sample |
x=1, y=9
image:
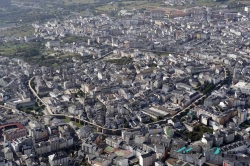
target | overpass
x=37, y=97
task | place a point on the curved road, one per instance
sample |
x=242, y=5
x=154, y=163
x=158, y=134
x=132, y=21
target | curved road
x=49, y=112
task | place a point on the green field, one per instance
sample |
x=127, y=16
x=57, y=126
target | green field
x=140, y=4
x=197, y=133
x=109, y=149
x=121, y=61
x=212, y=3
x=67, y=120
x=26, y=30
x=70, y=2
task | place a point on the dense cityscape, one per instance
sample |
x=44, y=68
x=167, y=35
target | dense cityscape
x=123, y=84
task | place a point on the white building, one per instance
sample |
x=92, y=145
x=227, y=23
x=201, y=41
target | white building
x=113, y=142
x=147, y=159
x=242, y=114
x=59, y=158
x=8, y=154
x=84, y=132
x=38, y=133
x=247, y=9
x=51, y=44
x=243, y=86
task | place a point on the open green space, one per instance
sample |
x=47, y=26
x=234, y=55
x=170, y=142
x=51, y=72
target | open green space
x=19, y=50
x=129, y=5
x=76, y=39
x=70, y=2
x=197, y=133
x=121, y=61
x=21, y=31
x=36, y=53
x=212, y=3
x=246, y=124
x=33, y=109
x=162, y=54
x=67, y=120
x=109, y=149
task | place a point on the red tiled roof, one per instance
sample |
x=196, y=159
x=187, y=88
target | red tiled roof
x=18, y=125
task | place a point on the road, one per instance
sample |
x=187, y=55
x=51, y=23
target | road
x=188, y=107
x=5, y=107
x=109, y=53
x=24, y=6
x=200, y=98
x=47, y=111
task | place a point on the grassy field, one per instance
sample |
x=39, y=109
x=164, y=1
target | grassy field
x=8, y=49
x=19, y=31
x=70, y=2
x=121, y=61
x=33, y=54
x=129, y=5
x=67, y=120
x=212, y=3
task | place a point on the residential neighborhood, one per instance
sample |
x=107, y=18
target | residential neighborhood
x=146, y=87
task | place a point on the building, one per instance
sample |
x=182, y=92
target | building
x=169, y=131
x=98, y=161
x=175, y=122
x=17, y=143
x=247, y=9
x=113, y=142
x=242, y=114
x=243, y=86
x=5, y=162
x=42, y=148
x=147, y=159
x=59, y=158
x=39, y=133
x=120, y=161
x=51, y=44
x=14, y=133
x=8, y=154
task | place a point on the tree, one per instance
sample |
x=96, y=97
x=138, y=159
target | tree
x=119, y=5
x=42, y=57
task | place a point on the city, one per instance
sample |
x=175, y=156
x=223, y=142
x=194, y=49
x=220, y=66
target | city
x=126, y=83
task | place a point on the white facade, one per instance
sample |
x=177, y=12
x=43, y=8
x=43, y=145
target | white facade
x=247, y=9
x=242, y=114
x=123, y=162
x=147, y=159
x=52, y=44
x=113, y=142
x=243, y=86
x=139, y=139
x=38, y=133
x=59, y=159
x=8, y=154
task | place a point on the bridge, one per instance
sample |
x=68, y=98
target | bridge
x=49, y=112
